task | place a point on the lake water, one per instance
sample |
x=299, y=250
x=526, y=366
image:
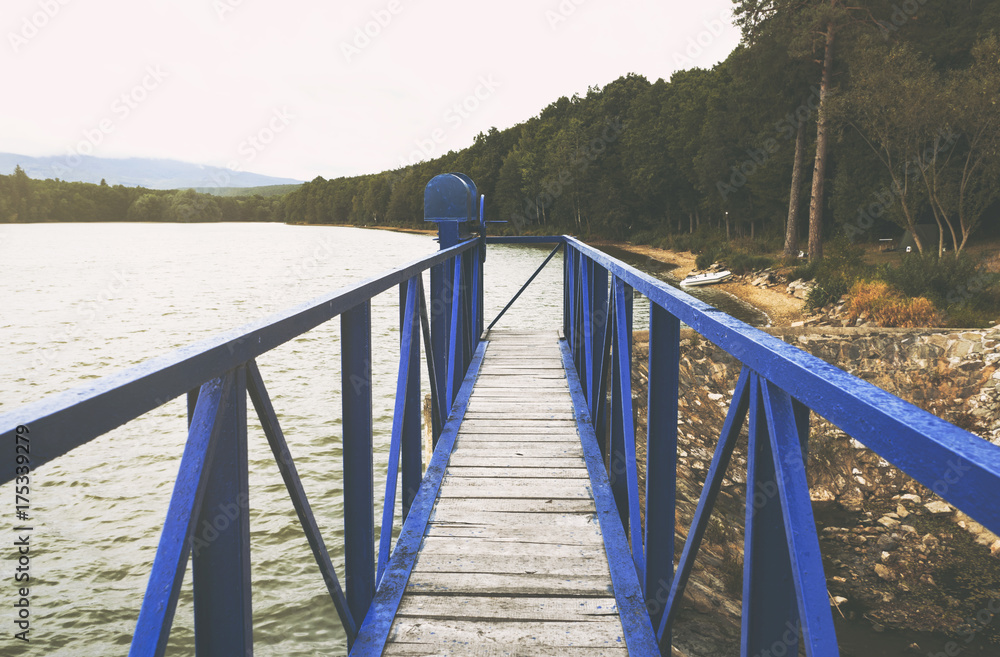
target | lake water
x=81, y=301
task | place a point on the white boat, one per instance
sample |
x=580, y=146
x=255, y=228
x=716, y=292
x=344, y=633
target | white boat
x=708, y=278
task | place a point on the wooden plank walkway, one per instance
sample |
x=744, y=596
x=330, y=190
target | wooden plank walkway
x=513, y=561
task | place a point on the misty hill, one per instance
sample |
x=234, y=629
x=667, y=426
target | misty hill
x=135, y=172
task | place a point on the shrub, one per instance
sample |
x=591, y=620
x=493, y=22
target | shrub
x=742, y=263
x=705, y=260
x=886, y=306
x=840, y=268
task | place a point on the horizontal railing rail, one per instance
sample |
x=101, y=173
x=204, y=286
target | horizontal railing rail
x=218, y=375
x=778, y=387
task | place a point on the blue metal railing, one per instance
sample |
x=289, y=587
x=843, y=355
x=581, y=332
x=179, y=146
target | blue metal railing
x=211, y=486
x=779, y=385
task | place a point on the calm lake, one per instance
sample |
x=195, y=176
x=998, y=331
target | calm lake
x=81, y=301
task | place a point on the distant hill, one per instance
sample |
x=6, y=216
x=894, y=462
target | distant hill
x=136, y=172
x=268, y=190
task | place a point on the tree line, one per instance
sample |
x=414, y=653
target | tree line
x=26, y=200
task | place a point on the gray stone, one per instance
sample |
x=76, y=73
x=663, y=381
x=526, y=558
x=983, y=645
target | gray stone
x=937, y=507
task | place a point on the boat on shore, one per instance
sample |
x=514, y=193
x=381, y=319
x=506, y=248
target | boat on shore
x=707, y=278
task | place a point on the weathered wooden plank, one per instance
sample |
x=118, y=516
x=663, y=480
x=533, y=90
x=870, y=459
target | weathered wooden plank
x=516, y=458
x=509, y=584
x=476, y=458
x=401, y=649
x=525, y=428
x=520, y=473
x=526, y=565
x=472, y=426
x=472, y=487
x=531, y=435
x=526, y=365
x=508, y=608
x=502, y=415
x=516, y=505
x=597, y=632
x=504, y=547
x=542, y=408
x=551, y=535
x=523, y=447
x=529, y=520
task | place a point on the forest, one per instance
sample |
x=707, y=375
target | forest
x=830, y=120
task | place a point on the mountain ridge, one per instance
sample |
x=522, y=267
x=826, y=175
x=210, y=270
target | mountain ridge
x=151, y=173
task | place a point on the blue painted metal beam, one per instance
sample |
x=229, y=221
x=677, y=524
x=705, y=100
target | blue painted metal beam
x=627, y=472
x=160, y=601
x=438, y=410
x=803, y=548
x=411, y=449
x=769, y=608
x=359, y=486
x=661, y=457
x=220, y=555
x=407, y=349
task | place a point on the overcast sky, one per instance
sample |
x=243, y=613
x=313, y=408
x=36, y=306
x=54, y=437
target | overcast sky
x=300, y=88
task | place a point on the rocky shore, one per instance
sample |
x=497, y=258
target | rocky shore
x=897, y=558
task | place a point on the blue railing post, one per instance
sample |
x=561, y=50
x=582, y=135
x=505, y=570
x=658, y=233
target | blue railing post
x=769, y=605
x=411, y=448
x=566, y=288
x=621, y=342
x=220, y=555
x=661, y=457
x=455, y=342
x=359, y=488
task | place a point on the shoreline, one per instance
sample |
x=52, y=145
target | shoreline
x=781, y=309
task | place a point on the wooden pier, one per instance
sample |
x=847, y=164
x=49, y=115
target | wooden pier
x=513, y=559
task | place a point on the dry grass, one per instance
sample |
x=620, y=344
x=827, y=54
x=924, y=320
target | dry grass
x=883, y=305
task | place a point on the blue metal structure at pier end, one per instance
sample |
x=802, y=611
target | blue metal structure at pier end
x=778, y=388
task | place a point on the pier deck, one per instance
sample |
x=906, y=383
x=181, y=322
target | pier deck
x=513, y=559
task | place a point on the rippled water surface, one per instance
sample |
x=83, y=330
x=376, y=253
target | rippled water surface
x=81, y=301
